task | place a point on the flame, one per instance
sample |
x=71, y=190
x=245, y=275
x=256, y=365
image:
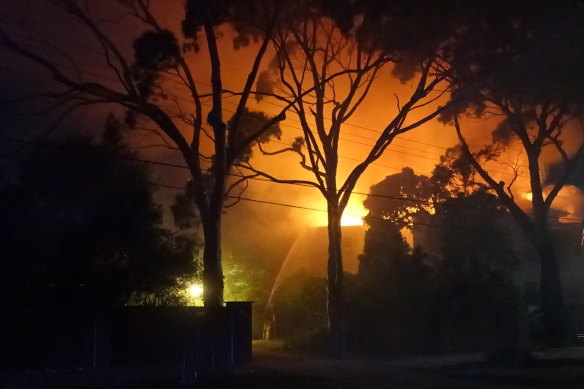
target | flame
x=353, y=216
x=527, y=196
x=351, y=219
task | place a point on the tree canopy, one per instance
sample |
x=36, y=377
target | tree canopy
x=460, y=272
x=208, y=143
x=79, y=225
x=519, y=64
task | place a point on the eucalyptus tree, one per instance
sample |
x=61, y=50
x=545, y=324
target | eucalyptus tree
x=520, y=65
x=208, y=143
x=328, y=58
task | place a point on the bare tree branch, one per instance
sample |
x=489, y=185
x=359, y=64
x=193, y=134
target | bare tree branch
x=499, y=188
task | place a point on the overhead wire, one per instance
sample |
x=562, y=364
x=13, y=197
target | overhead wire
x=179, y=166
x=390, y=167
x=303, y=207
x=389, y=149
x=180, y=83
x=169, y=77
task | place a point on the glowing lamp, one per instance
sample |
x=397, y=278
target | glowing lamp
x=195, y=290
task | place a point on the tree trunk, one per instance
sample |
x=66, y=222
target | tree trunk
x=212, y=269
x=335, y=300
x=552, y=301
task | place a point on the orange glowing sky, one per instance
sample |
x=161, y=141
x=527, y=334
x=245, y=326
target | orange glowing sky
x=419, y=149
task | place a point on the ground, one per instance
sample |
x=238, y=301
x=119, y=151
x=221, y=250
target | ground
x=276, y=367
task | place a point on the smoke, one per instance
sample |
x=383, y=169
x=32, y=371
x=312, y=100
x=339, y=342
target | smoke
x=254, y=232
x=570, y=202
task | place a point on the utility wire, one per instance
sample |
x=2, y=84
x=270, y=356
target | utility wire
x=296, y=128
x=184, y=167
x=302, y=207
x=376, y=163
x=392, y=148
x=168, y=77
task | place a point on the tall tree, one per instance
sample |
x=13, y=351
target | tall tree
x=328, y=57
x=208, y=143
x=468, y=263
x=522, y=62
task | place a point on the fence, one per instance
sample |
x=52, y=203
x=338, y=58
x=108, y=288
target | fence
x=188, y=338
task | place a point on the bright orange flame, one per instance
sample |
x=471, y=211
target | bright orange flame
x=353, y=216
x=350, y=219
x=527, y=196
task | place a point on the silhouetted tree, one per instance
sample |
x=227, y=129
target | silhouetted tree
x=398, y=198
x=327, y=59
x=396, y=290
x=521, y=62
x=395, y=299
x=474, y=237
x=79, y=225
x=478, y=260
x=139, y=87
x=464, y=278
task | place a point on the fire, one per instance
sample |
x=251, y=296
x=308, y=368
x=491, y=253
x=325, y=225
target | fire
x=350, y=219
x=527, y=196
x=353, y=216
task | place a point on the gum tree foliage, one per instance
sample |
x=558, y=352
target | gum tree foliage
x=80, y=226
x=401, y=196
x=206, y=140
x=465, y=278
x=328, y=57
x=241, y=284
x=521, y=63
x=472, y=218
x=451, y=198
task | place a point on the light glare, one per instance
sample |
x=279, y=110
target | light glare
x=195, y=290
x=351, y=220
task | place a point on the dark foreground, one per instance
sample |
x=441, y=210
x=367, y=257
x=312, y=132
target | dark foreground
x=276, y=368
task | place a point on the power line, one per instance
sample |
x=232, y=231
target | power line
x=305, y=208
x=389, y=149
x=181, y=83
x=343, y=139
x=109, y=78
x=172, y=165
x=392, y=148
x=302, y=207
